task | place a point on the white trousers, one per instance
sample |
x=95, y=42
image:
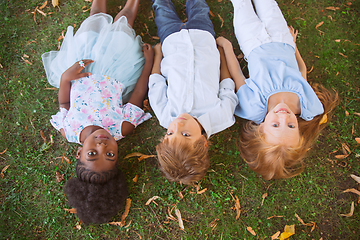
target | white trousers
x=266, y=25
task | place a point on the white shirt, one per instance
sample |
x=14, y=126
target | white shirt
x=189, y=82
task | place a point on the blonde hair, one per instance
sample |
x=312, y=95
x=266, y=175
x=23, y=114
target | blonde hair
x=280, y=161
x=180, y=161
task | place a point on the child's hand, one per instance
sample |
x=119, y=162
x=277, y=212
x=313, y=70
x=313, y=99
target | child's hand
x=293, y=32
x=221, y=41
x=74, y=72
x=148, y=52
x=157, y=50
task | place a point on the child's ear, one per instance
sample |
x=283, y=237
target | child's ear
x=78, y=153
x=205, y=141
x=261, y=127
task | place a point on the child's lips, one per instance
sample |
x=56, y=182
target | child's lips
x=101, y=136
x=282, y=110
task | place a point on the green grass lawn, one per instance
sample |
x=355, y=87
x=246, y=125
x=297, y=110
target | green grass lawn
x=33, y=202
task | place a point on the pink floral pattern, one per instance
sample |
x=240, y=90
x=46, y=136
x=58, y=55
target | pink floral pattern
x=97, y=100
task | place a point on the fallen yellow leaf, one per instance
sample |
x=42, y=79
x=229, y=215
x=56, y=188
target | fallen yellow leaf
x=251, y=231
x=332, y=8
x=145, y=156
x=323, y=119
x=289, y=230
x=351, y=211
x=357, y=140
x=319, y=24
x=134, y=154
x=263, y=198
x=237, y=207
x=135, y=178
x=55, y=3
x=3, y=152
x=222, y=21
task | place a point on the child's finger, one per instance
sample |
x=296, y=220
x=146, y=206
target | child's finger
x=86, y=74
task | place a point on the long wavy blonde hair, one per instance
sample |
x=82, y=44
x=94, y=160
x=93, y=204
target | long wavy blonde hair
x=279, y=161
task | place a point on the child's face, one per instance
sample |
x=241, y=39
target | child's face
x=184, y=127
x=99, y=152
x=281, y=126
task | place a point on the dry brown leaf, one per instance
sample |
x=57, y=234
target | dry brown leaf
x=88, y=0
x=181, y=195
x=332, y=8
x=341, y=156
x=171, y=217
x=251, y=231
x=134, y=154
x=357, y=140
x=213, y=224
x=276, y=235
x=343, y=55
x=275, y=216
x=237, y=207
x=353, y=190
x=60, y=38
x=222, y=21
x=300, y=220
x=319, y=24
x=263, y=198
x=55, y=3
x=126, y=212
x=345, y=148
x=356, y=178
x=59, y=177
x=44, y=5
x=357, y=114
x=3, y=152
x=26, y=61
x=152, y=199
x=346, y=113
x=67, y=160
x=145, y=156
x=41, y=12
x=178, y=214
x=3, y=170
x=71, y=210
x=337, y=40
x=311, y=69
x=351, y=211
x=211, y=13
x=136, y=178
x=115, y=223
x=42, y=136
x=202, y=191
x=313, y=227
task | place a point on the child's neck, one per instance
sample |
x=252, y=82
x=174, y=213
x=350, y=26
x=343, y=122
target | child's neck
x=87, y=131
x=289, y=98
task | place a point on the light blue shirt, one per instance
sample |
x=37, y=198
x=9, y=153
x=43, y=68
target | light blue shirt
x=272, y=69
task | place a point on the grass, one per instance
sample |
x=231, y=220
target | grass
x=32, y=201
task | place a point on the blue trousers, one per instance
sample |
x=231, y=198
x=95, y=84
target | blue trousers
x=168, y=22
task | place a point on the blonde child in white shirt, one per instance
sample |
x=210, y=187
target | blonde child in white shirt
x=184, y=90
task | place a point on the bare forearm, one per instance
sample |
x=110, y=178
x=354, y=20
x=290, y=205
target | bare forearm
x=157, y=64
x=301, y=63
x=224, y=71
x=64, y=94
x=141, y=87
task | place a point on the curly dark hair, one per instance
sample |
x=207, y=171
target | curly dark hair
x=97, y=202
x=87, y=175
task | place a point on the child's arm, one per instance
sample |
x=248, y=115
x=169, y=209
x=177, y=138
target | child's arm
x=72, y=73
x=232, y=62
x=141, y=87
x=157, y=59
x=224, y=71
x=299, y=59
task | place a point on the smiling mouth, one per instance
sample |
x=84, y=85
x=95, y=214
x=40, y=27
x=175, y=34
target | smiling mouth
x=282, y=110
x=102, y=137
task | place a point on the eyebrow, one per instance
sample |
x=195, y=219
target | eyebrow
x=95, y=159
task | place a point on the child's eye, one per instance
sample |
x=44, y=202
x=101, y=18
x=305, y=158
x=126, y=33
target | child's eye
x=109, y=154
x=169, y=133
x=275, y=125
x=186, y=134
x=91, y=153
x=291, y=126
